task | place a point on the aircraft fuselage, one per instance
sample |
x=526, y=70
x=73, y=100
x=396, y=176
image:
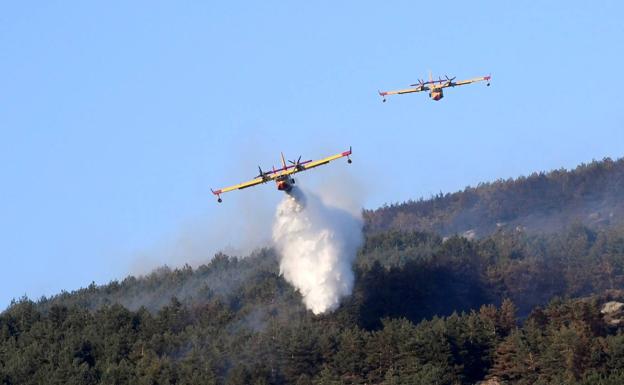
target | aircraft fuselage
x=285, y=183
x=436, y=94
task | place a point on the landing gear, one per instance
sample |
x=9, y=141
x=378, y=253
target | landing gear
x=219, y=200
x=349, y=161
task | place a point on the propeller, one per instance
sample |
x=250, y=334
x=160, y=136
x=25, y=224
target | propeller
x=449, y=81
x=420, y=83
x=296, y=163
x=262, y=174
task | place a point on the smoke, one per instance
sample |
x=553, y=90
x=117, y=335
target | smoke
x=317, y=244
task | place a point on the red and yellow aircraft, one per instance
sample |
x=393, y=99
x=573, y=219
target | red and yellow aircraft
x=282, y=176
x=434, y=86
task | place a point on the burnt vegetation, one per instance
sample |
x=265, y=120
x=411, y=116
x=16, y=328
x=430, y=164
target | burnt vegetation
x=517, y=303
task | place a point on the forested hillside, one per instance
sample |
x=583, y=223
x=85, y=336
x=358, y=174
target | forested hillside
x=420, y=311
x=568, y=342
x=592, y=194
x=512, y=305
x=411, y=274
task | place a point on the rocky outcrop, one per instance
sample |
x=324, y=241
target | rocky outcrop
x=613, y=313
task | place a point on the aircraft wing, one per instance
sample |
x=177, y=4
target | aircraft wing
x=243, y=185
x=316, y=163
x=404, y=91
x=469, y=81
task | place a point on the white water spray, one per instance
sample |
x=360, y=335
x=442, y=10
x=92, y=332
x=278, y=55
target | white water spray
x=317, y=245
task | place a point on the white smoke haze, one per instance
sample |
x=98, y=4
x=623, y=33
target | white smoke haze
x=221, y=228
x=317, y=244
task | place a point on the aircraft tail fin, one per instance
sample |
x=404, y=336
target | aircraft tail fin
x=283, y=161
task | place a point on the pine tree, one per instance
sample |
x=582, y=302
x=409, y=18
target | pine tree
x=509, y=360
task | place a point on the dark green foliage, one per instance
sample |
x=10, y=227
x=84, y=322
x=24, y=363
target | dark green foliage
x=387, y=332
x=408, y=321
x=567, y=341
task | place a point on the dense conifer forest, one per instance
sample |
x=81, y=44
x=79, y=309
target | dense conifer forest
x=533, y=295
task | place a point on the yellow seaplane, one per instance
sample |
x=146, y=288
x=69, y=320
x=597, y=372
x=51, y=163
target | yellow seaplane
x=435, y=87
x=283, y=176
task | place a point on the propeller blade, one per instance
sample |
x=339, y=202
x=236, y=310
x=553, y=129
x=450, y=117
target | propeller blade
x=262, y=174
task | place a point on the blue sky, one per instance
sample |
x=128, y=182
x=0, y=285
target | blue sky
x=117, y=117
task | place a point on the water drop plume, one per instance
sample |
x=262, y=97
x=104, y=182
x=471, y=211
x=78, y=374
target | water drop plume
x=317, y=244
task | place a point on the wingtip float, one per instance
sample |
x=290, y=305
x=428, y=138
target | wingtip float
x=434, y=87
x=283, y=176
